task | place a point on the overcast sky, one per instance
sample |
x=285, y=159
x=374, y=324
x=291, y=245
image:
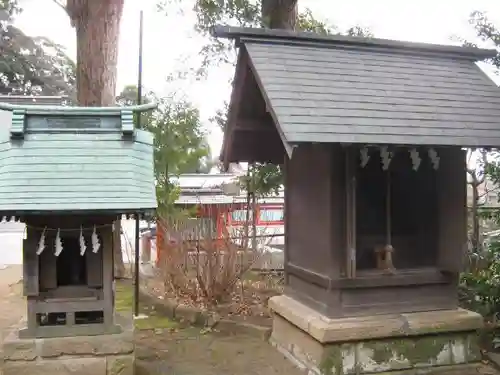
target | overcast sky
x=170, y=43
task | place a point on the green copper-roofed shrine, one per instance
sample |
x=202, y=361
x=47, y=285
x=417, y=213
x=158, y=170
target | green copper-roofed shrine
x=77, y=159
x=69, y=173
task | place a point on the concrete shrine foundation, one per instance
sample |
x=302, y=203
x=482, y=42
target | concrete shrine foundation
x=425, y=341
x=111, y=354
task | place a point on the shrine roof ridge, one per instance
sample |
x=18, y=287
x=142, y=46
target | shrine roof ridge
x=51, y=110
x=279, y=36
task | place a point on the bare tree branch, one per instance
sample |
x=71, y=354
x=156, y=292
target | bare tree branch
x=478, y=177
x=470, y=151
x=61, y=5
x=484, y=159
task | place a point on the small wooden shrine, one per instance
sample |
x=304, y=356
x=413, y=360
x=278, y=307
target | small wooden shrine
x=68, y=173
x=371, y=135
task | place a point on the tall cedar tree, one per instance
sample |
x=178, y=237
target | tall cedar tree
x=97, y=24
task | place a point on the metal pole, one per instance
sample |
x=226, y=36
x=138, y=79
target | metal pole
x=139, y=75
x=137, y=216
x=136, y=271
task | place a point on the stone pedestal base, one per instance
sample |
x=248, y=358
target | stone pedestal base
x=111, y=354
x=426, y=341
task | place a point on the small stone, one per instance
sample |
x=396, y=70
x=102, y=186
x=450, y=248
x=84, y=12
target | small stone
x=190, y=314
x=213, y=319
x=120, y=365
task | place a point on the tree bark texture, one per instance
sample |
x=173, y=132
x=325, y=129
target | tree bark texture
x=97, y=24
x=280, y=14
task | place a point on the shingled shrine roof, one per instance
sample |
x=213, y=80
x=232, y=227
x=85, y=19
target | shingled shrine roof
x=75, y=159
x=324, y=89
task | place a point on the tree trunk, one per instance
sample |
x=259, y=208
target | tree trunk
x=97, y=24
x=280, y=14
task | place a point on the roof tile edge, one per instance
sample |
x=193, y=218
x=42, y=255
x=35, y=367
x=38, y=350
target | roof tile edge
x=242, y=34
x=50, y=110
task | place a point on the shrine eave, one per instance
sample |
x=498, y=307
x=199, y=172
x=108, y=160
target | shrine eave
x=248, y=34
x=348, y=90
x=58, y=110
x=58, y=159
x=16, y=216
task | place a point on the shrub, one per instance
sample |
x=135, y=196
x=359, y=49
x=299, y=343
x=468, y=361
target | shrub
x=479, y=286
x=200, y=266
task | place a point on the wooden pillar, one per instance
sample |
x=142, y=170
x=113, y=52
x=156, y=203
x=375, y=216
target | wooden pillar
x=30, y=276
x=314, y=224
x=452, y=209
x=48, y=264
x=106, y=238
x=94, y=268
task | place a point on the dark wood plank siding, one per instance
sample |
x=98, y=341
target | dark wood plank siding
x=310, y=229
x=30, y=264
x=452, y=209
x=94, y=265
x=48, y=265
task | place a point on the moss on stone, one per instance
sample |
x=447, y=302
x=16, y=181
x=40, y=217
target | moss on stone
x=421, y=350
x=121, y=366
x=473, y=351
x=331, y=364
x=382, y=352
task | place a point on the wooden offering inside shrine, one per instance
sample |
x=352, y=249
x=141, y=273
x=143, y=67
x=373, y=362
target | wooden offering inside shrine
x=371, y=135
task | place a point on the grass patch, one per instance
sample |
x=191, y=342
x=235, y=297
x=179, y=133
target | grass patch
x=124, y=302
x=124, y=296
x=155, y=321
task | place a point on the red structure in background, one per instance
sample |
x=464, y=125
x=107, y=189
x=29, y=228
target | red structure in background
x=223, y=216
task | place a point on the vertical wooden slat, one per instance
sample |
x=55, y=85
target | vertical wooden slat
x=350, y=199
x=70, y=319
x=94, y=265
x=31, y=310
x=30, y=264
x=48, y=265
x=106, y=249
x=452, y=209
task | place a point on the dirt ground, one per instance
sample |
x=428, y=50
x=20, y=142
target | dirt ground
x=163, y=347
x=167, y=347
x=12, y=305
x=189, y=352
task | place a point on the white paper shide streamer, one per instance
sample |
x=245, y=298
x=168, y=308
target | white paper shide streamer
x=365, y=156
x=83, y=246
x=386, y=157
x=58, y=243
x=433, y=155
x=95, y=241
x=415, y=158
x=41, y=243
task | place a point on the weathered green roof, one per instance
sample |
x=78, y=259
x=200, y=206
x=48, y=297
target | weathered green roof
x=75, y=159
